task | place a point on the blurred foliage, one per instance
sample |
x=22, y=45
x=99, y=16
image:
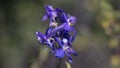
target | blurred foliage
x=97, y=41
x=115, y=61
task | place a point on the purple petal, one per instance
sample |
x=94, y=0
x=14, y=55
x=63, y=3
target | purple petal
x=54, y=31
x=41, y=37
x=49, y=8
x=48, y=30
x=69, y=58
x=59, y=53
x=51, y=11
x=59, y=41
x=59, y=10
x=72, y=19
x=45, y=17
x=74, y=53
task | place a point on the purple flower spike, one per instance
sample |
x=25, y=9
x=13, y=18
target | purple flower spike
x=58, y=37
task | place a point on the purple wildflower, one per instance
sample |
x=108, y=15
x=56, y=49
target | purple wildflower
x=58, y=33
x=65, y=49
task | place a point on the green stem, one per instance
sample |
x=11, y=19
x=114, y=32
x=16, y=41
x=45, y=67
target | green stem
x=59, y=63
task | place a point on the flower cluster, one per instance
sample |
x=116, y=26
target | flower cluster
x=60, y=34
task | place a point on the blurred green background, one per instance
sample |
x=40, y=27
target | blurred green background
x=97, y=41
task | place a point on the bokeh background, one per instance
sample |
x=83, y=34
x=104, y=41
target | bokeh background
x=97, y=42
